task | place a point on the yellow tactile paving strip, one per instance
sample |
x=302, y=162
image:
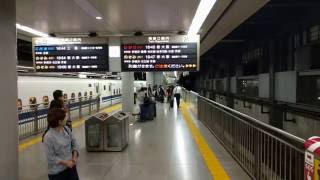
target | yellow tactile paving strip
x=77, y=123
x=216, y=169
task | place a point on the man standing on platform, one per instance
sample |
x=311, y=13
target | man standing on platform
x=177, y=94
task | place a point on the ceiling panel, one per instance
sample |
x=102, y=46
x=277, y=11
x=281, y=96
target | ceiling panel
x=118, y=15
x=148, y=15
x=239, y=11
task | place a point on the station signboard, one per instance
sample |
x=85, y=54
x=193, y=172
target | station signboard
x=160, y=53
x=70, y=54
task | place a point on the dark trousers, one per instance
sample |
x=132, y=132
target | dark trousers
x=178, y=99
x=135, y=98
x=68, y=174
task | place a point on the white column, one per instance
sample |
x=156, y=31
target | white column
x=158, y=78
x=8, y=92
x=150, y=78
x=127, y=91
x=114, y=54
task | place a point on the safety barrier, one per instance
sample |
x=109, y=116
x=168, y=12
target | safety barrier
x=33, y=119
x=263, y=151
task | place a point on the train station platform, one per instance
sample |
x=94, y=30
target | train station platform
x=173, y=146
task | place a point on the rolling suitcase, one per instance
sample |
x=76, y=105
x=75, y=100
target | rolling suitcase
x=146, y=112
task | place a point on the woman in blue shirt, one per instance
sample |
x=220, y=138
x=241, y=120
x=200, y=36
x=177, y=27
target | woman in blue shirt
x=61, y=148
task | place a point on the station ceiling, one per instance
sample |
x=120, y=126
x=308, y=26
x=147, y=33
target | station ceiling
x=119, y=16
x=123, y=17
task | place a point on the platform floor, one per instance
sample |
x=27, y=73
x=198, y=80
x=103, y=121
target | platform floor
x=162, y=149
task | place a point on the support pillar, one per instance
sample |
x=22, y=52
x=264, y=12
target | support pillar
x=8, y=92
x=230, y=99
x=158, y=78
x=276, y=114
x=127, y=91
x=150, y=78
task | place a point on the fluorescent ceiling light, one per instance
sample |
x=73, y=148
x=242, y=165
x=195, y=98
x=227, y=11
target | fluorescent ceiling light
x=202, y=12
x=83, y=76
x=30, y=30
x=98, y=17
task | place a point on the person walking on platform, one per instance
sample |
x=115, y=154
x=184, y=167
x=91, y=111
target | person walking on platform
x=149, y=91
x=169, y=96
x=177, y=94
x=61, y=148
x=169, y=93
x=134, y=95
x=161, y=94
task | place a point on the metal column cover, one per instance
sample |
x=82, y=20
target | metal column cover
x=150, y=78
x=127, y=91
x=8, y=89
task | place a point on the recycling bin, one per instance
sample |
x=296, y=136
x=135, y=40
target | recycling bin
x=116, y=132
x=94, y=132
x=106, y=132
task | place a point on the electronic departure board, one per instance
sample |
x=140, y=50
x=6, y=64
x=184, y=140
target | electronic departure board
x=70, y=54
x=175, y=53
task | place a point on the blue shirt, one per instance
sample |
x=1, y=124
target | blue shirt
x=59, y=146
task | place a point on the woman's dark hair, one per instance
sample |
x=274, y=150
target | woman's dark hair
x=54, y=116
x=57, y=94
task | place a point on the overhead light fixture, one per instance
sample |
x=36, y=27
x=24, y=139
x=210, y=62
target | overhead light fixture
x=98, y=17
x=30, y=30
x=202, y=12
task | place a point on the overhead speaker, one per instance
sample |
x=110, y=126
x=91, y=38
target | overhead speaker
x=138, y=33
x=93, y=34
x=52, y=35
x=181, y=33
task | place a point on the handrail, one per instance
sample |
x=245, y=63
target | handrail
x=68, y=100
x=284, y=133
x=263, y=151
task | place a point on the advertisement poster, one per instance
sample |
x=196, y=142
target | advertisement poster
x=309, y=166
x=317, y=169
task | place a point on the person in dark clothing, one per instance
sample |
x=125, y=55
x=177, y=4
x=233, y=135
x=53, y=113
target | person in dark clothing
x=170, y=96
x=149, y=91
x=161, y=94
x=58, y=102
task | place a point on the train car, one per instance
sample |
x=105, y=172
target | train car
x=84, y=96
x=38, y=90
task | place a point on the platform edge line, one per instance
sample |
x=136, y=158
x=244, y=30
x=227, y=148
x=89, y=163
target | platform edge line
x=38, y=138
x=213, y=164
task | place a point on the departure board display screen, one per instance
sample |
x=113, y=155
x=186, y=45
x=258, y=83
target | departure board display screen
x=71, y=55
x=160, y=54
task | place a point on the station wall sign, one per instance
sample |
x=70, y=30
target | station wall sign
x=70, y=54
x=160, y=53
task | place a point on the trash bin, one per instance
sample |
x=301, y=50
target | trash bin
x=312, y=159
x=94, y=132
x=107, y=132
x=117, y=132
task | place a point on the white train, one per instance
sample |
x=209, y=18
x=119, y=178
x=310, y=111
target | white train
x=38, y=90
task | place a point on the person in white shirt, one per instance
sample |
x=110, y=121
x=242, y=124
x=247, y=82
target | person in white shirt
x=177, y=94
